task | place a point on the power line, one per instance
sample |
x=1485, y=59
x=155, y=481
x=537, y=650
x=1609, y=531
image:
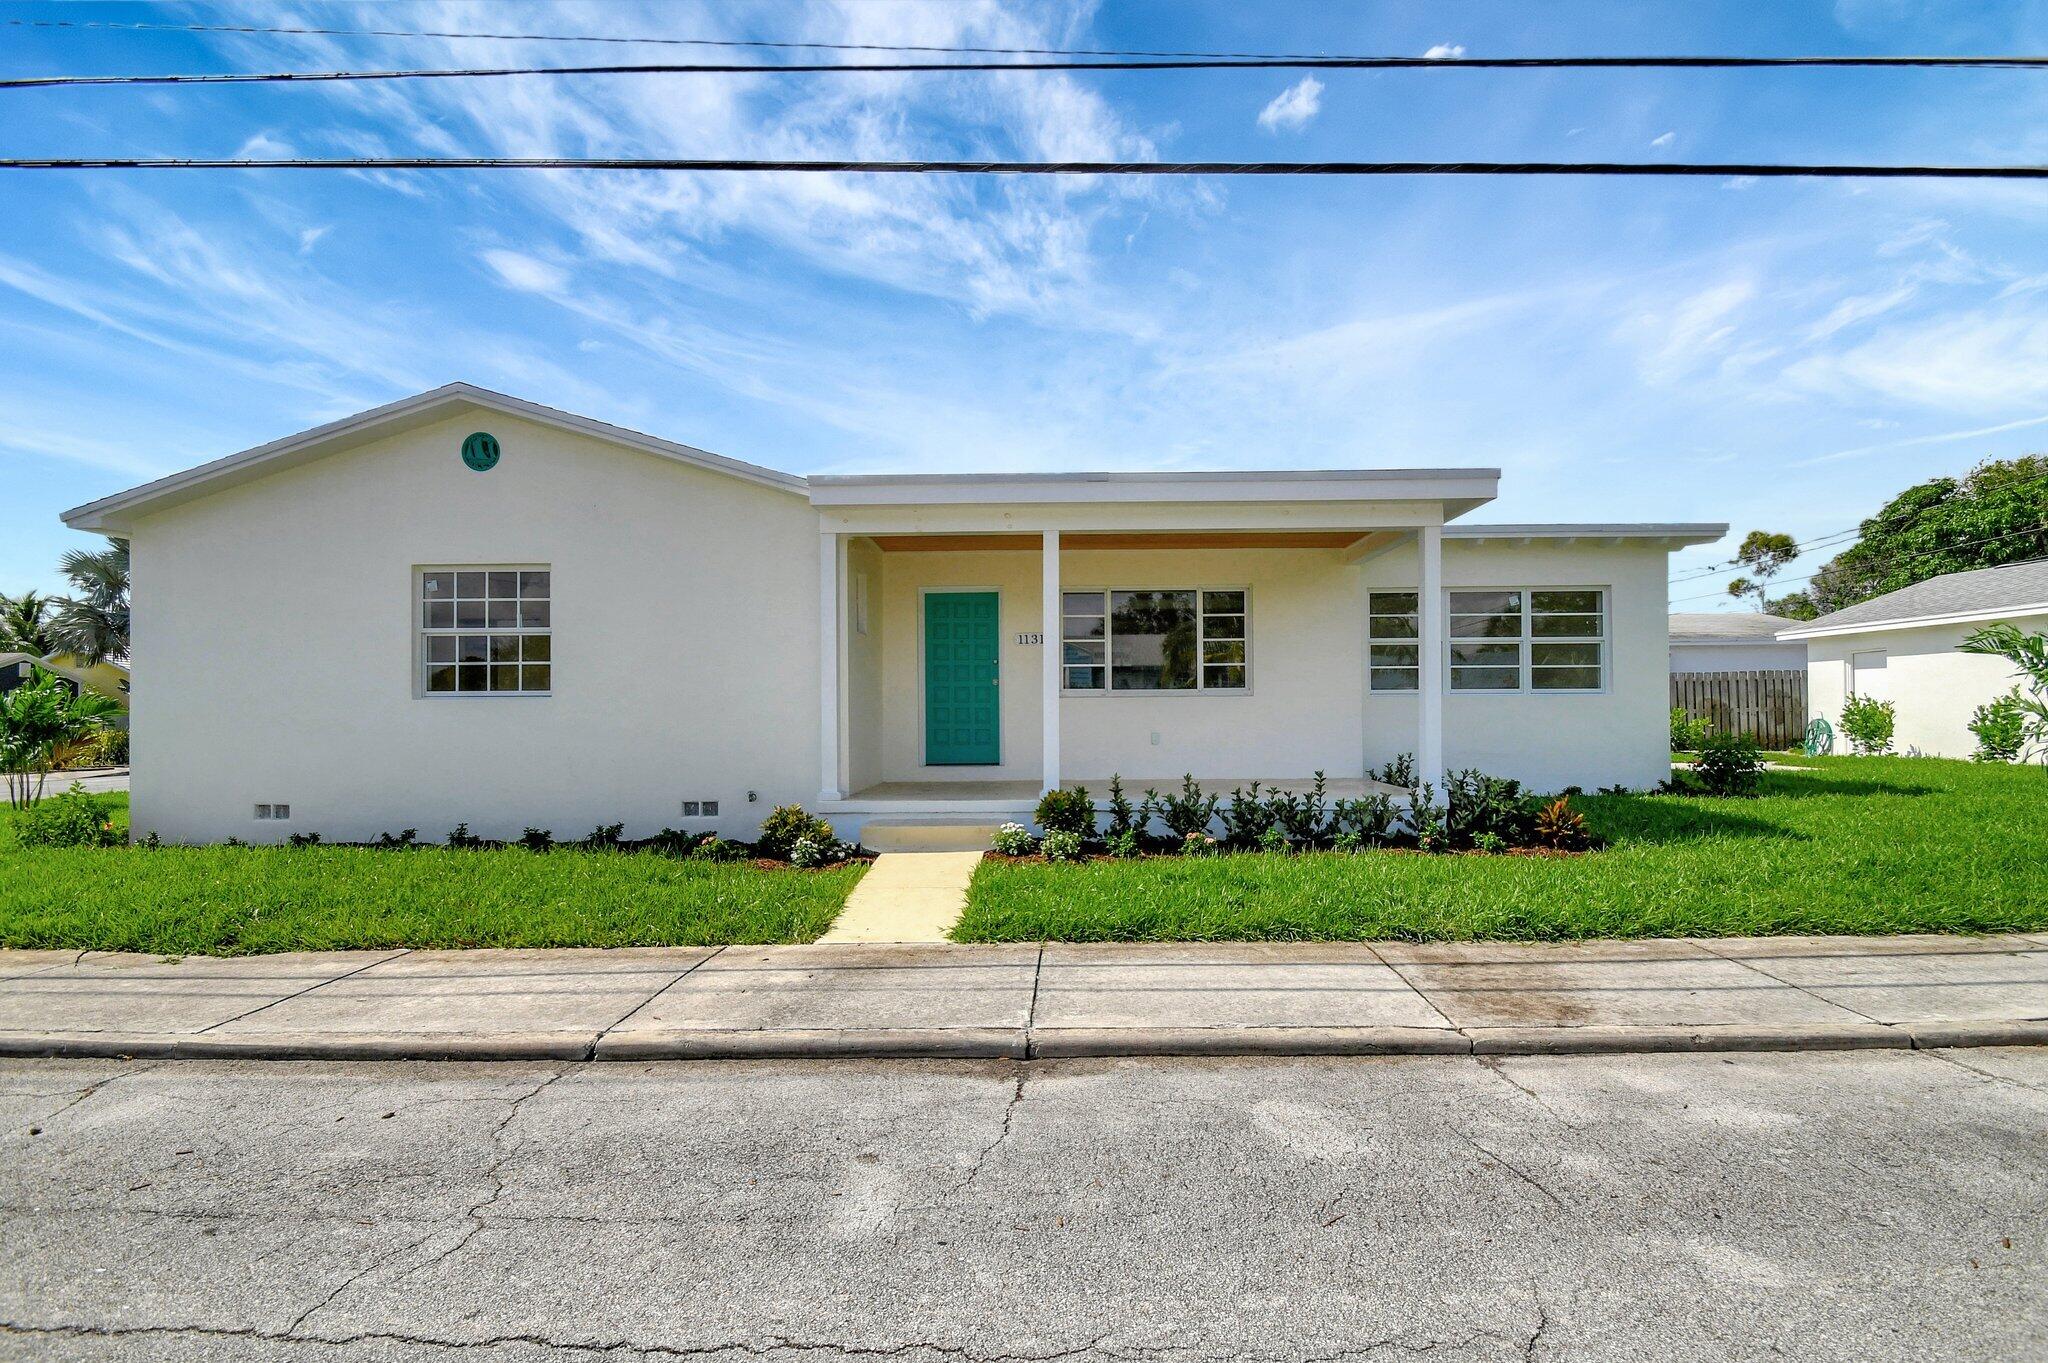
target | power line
x=1267, y=168
x=1835, y=537
x=1031, y=64
x=761, y=43
x=1899, y=557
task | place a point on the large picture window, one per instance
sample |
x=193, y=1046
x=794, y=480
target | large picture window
x=1179, y=639
x=1528, y=639
x=486, y=631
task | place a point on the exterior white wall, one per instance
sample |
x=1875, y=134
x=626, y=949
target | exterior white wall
x=274, y=645
x=1788, y=657
x=1617, y=736
x=1933, y=688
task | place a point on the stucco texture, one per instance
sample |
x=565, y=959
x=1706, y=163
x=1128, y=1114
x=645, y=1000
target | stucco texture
x=1933, y=688
x=684, y=638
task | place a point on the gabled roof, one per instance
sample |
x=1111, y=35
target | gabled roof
x=1952, y=598
x=110, y=513
x=1726, y=627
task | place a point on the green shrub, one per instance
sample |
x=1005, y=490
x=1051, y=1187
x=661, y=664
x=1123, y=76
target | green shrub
x=1489, y=842
x=1868, y=725
x=1123, y=815
x=1399, y=772
x=811, y=853
x=1477, y=805
x=1729, y=764
x=715, y=848
x=1426, y=820
x=1124, y=844
x=536, y=839
x=73, y=819
x=782, y=828
x=2001, y=728
x=1014, y=840
x=1188, y=812
x=1304, y=816
x=1200, y=844
x=1061, y=845
x=1247, y=818
x=1273, y=840
x=1369, y=819
x=1687, y=733
x=1066, y=811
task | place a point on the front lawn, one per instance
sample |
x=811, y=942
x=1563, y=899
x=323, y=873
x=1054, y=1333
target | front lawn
x=238, y=900
x=1857, y=845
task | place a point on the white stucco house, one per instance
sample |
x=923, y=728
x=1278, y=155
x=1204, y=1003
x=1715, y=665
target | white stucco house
x=1902, y=647
x=465, y=607
x=1733, y=641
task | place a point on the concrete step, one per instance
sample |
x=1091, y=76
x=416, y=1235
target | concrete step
x=926, y=835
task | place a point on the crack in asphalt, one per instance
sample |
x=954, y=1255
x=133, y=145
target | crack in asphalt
x=78, y=1096
x=1492, y=1064
x=1518, y=1172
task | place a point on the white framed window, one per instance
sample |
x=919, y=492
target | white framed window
x=1393, y=626
x=1528, y=639
x=1156, y=639
x=485, y=631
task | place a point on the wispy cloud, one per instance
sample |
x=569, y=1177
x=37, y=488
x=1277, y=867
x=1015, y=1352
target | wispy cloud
x=1663, y=139
x=517, y=270
x=1442, y=50
x=1293, y=107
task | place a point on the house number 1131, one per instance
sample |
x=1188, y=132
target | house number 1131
x=1030, y=638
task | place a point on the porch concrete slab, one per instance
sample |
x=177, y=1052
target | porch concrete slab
x=845, y=988
x=444, y=993
x=1907, y=979
x=1627, y=984
x=906, y=897
x=120, y=992
x=1241, y=984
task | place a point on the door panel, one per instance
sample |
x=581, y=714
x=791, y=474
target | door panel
x=962, y=701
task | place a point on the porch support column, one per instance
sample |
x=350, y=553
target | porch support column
x=1429, y=604
x=1049, y=659
x=831, y=599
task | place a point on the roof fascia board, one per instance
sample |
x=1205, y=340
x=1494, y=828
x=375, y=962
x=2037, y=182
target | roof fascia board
x=1439, y=486
x=2019, y=612
x=404, y=414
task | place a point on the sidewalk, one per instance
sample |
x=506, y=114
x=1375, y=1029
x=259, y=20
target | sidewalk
x=1783, y=993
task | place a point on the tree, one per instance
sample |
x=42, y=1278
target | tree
x=1995, y=514
x=25, y=625
x=1765, y=553
x=36, y=719
x=2028, y=653
x=94, y=623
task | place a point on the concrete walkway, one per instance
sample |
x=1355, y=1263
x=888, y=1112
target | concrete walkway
x=906, y=897
x=867, y=999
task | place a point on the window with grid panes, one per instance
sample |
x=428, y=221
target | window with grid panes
x=486, y=631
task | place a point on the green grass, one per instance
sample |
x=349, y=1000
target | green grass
x=1859, y=845
x=238, y=900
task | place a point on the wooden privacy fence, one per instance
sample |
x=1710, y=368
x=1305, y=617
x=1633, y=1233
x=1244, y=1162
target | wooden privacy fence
x=1768, y=706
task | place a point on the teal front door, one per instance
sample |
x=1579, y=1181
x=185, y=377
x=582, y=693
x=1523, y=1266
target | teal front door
x=962, y=704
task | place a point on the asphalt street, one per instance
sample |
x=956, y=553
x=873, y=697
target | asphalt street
x=1849, y=1205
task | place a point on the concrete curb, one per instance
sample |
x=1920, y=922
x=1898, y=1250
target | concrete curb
x=1016, y=1043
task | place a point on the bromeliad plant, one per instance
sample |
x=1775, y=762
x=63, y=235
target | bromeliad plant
x=38, y=718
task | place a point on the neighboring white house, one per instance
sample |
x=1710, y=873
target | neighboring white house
x=464, y=607
x=1733, y=641
x=1901, y=647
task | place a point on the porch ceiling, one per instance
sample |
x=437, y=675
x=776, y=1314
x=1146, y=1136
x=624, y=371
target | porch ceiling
x=1211, y=539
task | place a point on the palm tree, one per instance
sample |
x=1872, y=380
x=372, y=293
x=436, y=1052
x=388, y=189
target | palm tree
x=25, y=625
x=2027, y=652
x=93, y=625
x=36, y=719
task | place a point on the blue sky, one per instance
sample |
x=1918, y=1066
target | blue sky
x=1777, y=354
